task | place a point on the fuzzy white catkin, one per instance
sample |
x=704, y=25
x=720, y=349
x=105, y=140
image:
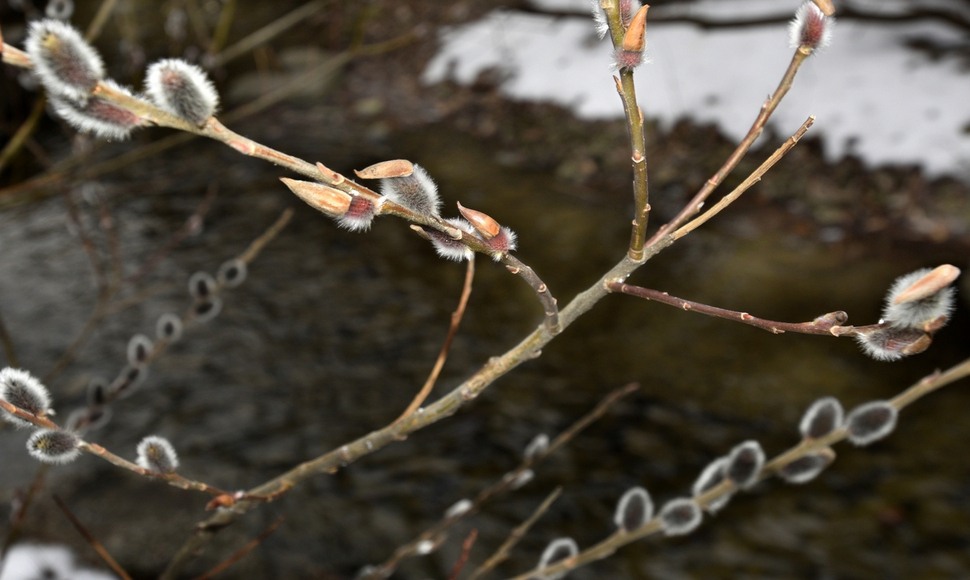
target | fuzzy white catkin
x=21, y=389
x=182, y=89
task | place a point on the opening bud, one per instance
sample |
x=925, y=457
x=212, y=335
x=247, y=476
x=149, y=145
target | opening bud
x=53, y=446
x=810, y=29
x=64, y=62
x=360, y=214
x=635, y=37
x=889, y=343
x=922, y=299
x=330, y=201
x=20, y=389
x=415, y=190
x=679, y=517
x=157, y=454
x=446, y=246
x=634, y=509
x=182, y=89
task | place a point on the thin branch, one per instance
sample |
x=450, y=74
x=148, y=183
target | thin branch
x=516, y=536
x=439, y=363
x=752, y=179
x=91, y=539
x=266, y=33
x=548, y=301
x=466, y=550
x=826, y=324
x=242, y=552
x=695, y=204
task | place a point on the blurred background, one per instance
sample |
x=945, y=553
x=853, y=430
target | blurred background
x=511, y=108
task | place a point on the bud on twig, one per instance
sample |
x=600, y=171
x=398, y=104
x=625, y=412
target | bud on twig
x=157, y=454
x=871, y=422
x=810, y=29
x=139, y=349
x=182, y=89
x=20, y=389
x=807, y=467
x=97, y=115
x=557, y=550
x=679, y=517
x=711, y=477
x=744, y=464
x=232, y=273
x=65, y=63
x=333, y=202
x=406, y=184
x=823, y=417
x=921, y=298
x=53, y=446
x=634, y=509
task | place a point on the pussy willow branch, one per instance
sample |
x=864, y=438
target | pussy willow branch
x=172, y=479
x=752, y=179
x=626, y=88
x=827, y=324
x=695, y=204
x=618, y=539
x=505, y=484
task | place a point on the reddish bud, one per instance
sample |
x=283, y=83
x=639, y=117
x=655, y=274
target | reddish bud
x=811, y=28
x=97, y=115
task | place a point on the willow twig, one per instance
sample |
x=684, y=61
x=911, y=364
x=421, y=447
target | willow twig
x=466, y=551
x=548, y=301
x=91, y=539
x=242, y=552
x=767, y=109
x=752, y=179
x=439, y=363
x=826, y=324
x=516, y=536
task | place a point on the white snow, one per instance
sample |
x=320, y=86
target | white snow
x=872, y=96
